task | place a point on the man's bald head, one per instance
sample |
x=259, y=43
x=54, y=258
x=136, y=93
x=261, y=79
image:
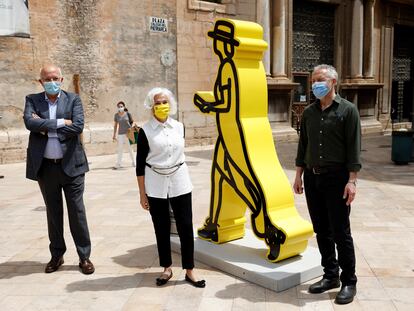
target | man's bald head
x=50, y=71
x=51, y=80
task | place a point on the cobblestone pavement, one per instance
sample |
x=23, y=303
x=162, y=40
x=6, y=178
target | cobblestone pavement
x=125, y=255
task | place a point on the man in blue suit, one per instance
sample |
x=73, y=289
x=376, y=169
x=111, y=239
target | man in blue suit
x=57, y=161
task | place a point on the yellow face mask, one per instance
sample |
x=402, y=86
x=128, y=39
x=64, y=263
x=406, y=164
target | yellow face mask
x=162, y=111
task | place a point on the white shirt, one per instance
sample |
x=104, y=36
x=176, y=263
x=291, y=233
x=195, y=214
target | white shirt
x=53, y=148
x=166, y=153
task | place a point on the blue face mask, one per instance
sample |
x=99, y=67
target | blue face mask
x=320, y=89
x=52, y=88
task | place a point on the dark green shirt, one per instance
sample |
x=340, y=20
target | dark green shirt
x=330, y=137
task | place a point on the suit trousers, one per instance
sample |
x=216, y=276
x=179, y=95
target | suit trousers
x=182, y=209
x=330, y=219
x=52, y=180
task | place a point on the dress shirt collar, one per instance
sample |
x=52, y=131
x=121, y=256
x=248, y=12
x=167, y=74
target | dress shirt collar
x=337, y=100
x=49, y=101
x=155, y=123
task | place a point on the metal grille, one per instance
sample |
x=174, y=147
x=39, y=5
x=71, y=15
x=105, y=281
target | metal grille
x=402, y=74
x=313, y=34
x=401, y=69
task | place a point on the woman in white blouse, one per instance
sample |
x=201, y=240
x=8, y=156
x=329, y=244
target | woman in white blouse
x=163, y=180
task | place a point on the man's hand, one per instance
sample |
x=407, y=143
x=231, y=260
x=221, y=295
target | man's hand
x=298, y=185
x=35, y=116
x=349, y=193
x=68, y=122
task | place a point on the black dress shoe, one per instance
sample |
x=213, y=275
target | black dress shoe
x=346, y=294
x=324, y=285
x=199, y=284
x=86, y=266
x=54, y=264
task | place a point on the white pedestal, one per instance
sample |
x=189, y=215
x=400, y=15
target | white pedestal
x=246, y=259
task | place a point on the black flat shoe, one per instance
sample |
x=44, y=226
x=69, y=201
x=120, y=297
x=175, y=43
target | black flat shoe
x=199, y=284
x=324, y=285
x=163, y=280
x=346, y=294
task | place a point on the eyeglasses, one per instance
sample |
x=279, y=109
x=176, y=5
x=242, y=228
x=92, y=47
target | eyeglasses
x=54, y=79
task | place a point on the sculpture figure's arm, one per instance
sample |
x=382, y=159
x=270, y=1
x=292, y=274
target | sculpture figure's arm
x=220, y=100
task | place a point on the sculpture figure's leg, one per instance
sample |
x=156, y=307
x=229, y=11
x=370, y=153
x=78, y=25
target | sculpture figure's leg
x=254, y=199
x=226, y=218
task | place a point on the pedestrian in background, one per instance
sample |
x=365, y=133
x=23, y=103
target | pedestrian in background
x=163, y=179
x=122, y=122
x=329, y=158
x=57, y=161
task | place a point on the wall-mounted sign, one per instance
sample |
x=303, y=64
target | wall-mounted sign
x=158, y=24
x=14, y=18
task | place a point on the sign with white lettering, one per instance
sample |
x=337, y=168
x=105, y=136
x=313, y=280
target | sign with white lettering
x=158, y=24
x=14, y=18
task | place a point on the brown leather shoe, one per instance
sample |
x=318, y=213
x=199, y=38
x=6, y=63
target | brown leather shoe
x=86, y=266
x=54, y=264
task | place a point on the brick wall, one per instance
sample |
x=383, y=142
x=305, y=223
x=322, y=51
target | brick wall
x=107, y=43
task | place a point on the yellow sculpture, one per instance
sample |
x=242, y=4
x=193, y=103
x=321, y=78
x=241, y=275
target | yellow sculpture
x=245, y=170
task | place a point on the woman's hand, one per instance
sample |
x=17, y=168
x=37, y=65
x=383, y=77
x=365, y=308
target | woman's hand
x=144, y=201
x=113, y=138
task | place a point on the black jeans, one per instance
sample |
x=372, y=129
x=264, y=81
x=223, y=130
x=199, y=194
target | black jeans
x=182, y=208
x=330, y=219
x=52, y=180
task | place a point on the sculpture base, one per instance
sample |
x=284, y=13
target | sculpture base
x=246, y=259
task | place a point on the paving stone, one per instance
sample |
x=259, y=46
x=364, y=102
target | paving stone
x=125, y=254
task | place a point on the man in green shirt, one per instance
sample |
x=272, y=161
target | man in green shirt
x=329, y=159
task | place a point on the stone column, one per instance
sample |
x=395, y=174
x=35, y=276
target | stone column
x=357, y=36
x=279, y=39
x=369, y=39
x=263, y=18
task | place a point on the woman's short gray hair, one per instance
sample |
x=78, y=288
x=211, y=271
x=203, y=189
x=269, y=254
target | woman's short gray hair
x=149, y=100
x=330, y=71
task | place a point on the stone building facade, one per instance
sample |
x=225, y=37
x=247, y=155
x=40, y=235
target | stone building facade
x=117, y=50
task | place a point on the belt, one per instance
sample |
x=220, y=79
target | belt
x=166, y=171
x=54, y=161
x=317, y=170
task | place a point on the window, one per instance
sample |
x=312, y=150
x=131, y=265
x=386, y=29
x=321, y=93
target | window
x=219, y=6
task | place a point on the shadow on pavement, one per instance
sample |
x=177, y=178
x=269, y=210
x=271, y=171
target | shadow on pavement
x=116, y=283
x=142, y=257
x=11, y=269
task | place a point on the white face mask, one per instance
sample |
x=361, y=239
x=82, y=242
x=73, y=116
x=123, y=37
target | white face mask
x=120, y=109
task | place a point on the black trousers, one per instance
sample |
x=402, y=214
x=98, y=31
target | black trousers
x=52, y=180
x=330, y=219
x=182, y=208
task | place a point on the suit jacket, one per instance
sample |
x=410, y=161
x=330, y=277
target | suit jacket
x=69, y=106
